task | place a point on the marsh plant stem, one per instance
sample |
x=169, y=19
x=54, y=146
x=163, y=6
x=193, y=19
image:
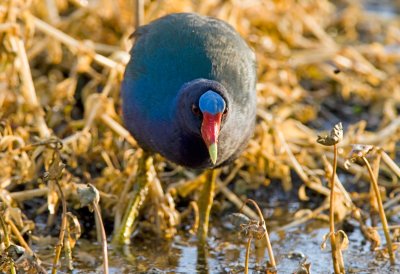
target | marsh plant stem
x=246, y=262
x=139, y=13
x=266, y=235
x=62, y=229
x=144, y=178
x=389, y=162
x=68, y=250
x=102, y=236
x=381, y=210
x=338, y=265
x=7, y=242
x=270, y=251
x=72, y=43
x=28, y=90
x=205, y=203
x=19, y=237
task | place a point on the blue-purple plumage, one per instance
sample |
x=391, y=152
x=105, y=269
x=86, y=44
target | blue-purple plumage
x=175, y=60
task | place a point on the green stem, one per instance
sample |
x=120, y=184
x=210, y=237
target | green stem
x=381, y=211
x=124, y=232
x=205, y=202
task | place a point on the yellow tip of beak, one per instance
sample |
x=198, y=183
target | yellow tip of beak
x=213, y=151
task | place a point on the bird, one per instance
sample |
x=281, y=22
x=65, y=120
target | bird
x=189, y=90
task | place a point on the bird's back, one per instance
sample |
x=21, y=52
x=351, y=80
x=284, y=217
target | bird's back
x=172, y=51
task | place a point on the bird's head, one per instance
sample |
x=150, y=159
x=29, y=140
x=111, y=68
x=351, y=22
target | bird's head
x=203, y=111
x=212, y=107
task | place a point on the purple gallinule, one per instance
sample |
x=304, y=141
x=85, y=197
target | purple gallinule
x=189, y=93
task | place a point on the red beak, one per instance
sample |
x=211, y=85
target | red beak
x=210, y=131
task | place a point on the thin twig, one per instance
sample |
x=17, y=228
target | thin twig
x=117, y=128
x=266, y=235
x=68, y=250
x=380, y=137
x=21, y=239
x=62, y=229
x=389, y=162
x=381, y=211
x=298, y=168
x=139, y=15
x=28, y=91
x=234, y=199
x=29, y=194
x=336, y=264
x=391, y=227
x=103, y=237
x=7, y=242
x=306, y=218
x=89, y=196
x=73, y=43
x=97, y=105
x=391, y=202
x=246, y=261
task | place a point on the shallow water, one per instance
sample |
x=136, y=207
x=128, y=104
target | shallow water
x=226, y=253
x=226, y=247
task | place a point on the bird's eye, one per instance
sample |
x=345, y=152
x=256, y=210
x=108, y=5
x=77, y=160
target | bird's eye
x=195, y=110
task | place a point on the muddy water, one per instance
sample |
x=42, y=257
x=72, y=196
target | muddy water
x=226, y=254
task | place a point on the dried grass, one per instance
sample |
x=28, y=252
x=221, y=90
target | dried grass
x=61, y=64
